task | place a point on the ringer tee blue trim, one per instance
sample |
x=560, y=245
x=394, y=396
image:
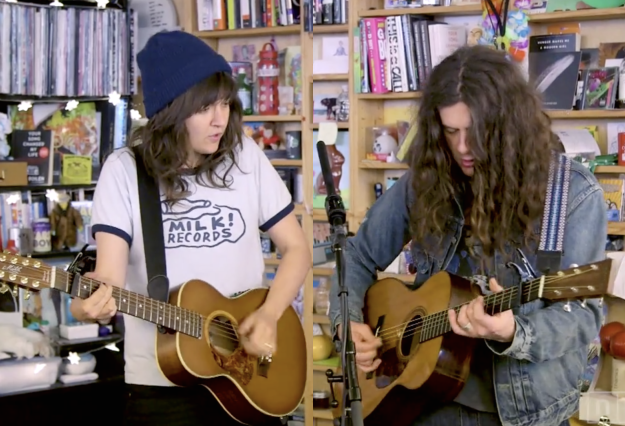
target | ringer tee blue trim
x=111, y=230
x=277, y=218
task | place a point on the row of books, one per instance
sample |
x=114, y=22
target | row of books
x=329, y=12
x=66, y=52
x=397, y=53
x=614, y=195
x=569, y=77
x=400, y=4
x=238, y=14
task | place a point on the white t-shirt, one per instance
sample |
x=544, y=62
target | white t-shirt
x=212, y=235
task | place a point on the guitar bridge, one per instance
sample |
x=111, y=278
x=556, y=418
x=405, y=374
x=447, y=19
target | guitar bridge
x=263, y=365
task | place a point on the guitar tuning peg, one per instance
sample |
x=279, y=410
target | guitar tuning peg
x=27, y=295
x=567, y=307
x=584, y=305
x=4, y=288
x=16, y=291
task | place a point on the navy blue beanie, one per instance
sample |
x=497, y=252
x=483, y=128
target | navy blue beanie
x=171, y=63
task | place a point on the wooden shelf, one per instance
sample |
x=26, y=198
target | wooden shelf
x=323, y=272
x=330, y=29
x=323, y=368
x=610, y=169
x=274, y=118
x=323, y=414
x=321, y=319
x=329, y=77
x=249, y=32
x=340, y=125
x=391, y=96
x=474, y=9
x=379, y=165
x=283, y=162
x=578, y=15
x=616, y=228
x=320, y=215
x=587, y=114
x=272, y=261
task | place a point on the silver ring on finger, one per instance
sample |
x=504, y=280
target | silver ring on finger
x=467, y=326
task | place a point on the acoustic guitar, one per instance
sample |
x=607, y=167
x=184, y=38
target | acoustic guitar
x=203, y=346
x=424, y=364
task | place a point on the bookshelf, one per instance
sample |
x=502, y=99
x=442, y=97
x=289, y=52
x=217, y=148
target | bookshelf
x=369, y=109
x=40, y=102
x=292, y=35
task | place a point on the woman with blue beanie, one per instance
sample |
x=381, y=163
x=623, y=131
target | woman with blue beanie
x=218, y=192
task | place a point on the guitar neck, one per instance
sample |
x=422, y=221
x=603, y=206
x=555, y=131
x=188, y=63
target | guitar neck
x=135, y=304
x=437, y=324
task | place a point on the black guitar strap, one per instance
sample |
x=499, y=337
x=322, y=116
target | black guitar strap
x=153, y=237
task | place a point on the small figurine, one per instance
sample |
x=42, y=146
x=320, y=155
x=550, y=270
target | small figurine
x=5, y=129
x=604, y=421
x=384, y=144
x=65, y=222
x=268, y=138
x=342, y=110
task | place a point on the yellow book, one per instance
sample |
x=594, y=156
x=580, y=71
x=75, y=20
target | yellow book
x=77, y=170
x=613, y=190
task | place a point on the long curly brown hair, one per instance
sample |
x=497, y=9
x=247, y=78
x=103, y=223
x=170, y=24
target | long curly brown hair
x=511, y=143
x=163, y=140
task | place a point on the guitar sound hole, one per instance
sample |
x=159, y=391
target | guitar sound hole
x=410, y=337
x=222, y=336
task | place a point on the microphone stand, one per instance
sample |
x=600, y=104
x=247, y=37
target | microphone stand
x=352, y=398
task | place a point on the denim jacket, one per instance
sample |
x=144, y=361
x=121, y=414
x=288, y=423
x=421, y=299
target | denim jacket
x=537, y=376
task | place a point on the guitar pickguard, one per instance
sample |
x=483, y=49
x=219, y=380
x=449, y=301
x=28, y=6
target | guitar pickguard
x=239, y=364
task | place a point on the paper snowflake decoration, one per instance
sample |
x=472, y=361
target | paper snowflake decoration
x=102, y=4
x=24, y=106
x=114, y=97
x=135, y=115
x=71, y=105
x=74, y=358
x=56, y=3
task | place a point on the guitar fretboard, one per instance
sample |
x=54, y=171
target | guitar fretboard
x=140, y=306
x=437, y=324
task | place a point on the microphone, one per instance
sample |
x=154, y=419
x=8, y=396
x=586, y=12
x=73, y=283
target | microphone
x=334, y=204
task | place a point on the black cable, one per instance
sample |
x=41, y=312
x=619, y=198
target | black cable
x=502, y=19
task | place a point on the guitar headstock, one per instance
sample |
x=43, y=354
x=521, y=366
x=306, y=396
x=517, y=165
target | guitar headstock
x=582, y=282
x=25, y=272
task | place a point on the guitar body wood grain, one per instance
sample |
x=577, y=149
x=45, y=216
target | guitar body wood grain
x=414, y=377
x=217, y=361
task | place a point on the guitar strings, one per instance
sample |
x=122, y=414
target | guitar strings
x=441, y=318
x=510, y=291
x=227, y=330
x=196, y=320
x=438, y=321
